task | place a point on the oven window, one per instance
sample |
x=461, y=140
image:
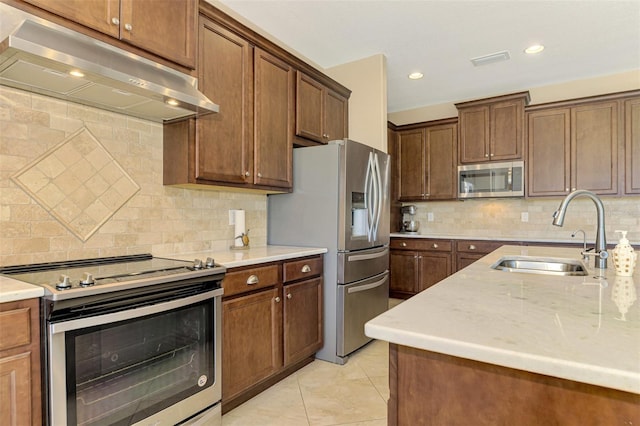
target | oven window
x=121, y=373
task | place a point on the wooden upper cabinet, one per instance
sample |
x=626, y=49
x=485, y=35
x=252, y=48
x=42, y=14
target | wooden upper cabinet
x=573, y=147
x=492, y=129
x=632, y=146
x=426, y=162
x=410, y=163
x=166, y=28
x=321, y=113
x=224, y=145
x=549, y=153
x=274, y=118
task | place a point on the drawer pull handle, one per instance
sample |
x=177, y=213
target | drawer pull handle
x=472, y=247
x=306, y=268
x=404, y=244
x=435, y=245
x=253, y=279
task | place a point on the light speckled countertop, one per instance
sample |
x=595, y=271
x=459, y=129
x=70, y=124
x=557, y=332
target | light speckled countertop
x=578, y=328
x=12, y=290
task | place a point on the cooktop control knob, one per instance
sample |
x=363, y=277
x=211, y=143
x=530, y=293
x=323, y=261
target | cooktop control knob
x=210, y=262
x=64, y=283
x=87, y=280
x=197, y=264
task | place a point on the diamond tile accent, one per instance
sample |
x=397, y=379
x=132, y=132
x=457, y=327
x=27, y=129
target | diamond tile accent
x=79, y=183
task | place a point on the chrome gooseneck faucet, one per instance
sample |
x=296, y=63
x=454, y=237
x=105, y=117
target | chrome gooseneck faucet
x=601, y=240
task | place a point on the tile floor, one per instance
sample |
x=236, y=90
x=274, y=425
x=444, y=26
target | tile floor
x=325, y=394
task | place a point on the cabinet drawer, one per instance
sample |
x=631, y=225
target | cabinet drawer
x=304, y=268
x=473, y=246
x=15, y=328
x=241, y=281
x=421, y=244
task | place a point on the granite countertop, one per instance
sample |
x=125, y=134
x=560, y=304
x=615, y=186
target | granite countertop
x=585, y=329
x=577, y=240
x=253, y=256
x=13, y=290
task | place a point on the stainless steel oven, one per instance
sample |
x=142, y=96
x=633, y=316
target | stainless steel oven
x=134, y=341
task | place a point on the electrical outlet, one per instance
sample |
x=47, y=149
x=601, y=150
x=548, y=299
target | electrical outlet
x=524, y=216
x=430, y=216
x=232, y=217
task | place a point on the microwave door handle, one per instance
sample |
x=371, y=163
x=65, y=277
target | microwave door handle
x=510, y=179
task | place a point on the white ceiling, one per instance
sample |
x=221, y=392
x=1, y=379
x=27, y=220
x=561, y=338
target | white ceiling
x=439, y=37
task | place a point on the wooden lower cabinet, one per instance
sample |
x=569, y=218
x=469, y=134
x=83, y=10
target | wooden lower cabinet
x=468, y=251
x=20, y=389
x=271, y=325
x=418, y=263
x=428, y=388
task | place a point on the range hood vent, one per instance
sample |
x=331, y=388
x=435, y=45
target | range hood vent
x=45, y=58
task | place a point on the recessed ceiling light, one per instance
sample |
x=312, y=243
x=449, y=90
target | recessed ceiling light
x=536, y=48
x=76, y=73
x=416, y=75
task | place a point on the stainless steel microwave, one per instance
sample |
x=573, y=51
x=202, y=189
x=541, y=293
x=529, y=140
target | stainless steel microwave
x=486, y=180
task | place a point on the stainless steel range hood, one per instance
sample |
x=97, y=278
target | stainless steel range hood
x=39, y=56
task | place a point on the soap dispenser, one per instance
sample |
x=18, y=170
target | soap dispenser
x=624, y=257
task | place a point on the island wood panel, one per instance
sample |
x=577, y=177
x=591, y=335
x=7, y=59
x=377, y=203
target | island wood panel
x=428, y=388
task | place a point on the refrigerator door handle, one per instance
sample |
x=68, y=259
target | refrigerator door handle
x=366, y=287
x=359, y=257
x=369, y=194
x=378, y=196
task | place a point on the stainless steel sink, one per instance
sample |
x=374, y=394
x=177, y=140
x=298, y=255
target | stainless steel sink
x=541, y=265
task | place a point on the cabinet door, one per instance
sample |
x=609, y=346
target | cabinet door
x=594, y=147
x=302, y=319
x=434, y=267
x=274, y=118
x=442, y=162
x=474, y=134
x=251, y=340
x=549, y=158
x=309, y=108
x=100, y=15
x=15, y=390
x=506, y=141
x=224, y=143
x=403, y=273
x=164, y=27
x=336, y=120
x=632, y=146
x=411, y=164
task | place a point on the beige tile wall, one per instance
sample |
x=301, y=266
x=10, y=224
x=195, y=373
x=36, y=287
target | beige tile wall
x=157, y=219
x=502, y=218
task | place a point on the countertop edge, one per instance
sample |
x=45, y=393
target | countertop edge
x=13, y=290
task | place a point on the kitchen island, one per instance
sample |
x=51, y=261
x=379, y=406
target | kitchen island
x=494, y=347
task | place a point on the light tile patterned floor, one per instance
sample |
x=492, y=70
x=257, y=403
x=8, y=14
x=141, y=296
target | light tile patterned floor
x=324, y=394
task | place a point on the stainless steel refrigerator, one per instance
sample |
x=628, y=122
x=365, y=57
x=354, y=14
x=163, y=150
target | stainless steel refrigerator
x=340, y=201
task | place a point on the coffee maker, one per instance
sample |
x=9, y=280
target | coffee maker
x=409, y=224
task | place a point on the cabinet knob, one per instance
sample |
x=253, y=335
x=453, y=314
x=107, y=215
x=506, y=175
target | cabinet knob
x=305, y=269
x=573, y=189
x=115, y=21
x=472, y=247
x=566, y=189
x=128, y=27
x=277, y=299
x=435, y=245
x=247, y=173
x=253, y=279
x=491, y=155
x=259, y=174
x=403, y=244
x=289, y=296
x=486, y=155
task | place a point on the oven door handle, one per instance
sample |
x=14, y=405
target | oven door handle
x=62, y=327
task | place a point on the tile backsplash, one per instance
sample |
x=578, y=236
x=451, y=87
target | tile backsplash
x=502, y=218
x=79, y=182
